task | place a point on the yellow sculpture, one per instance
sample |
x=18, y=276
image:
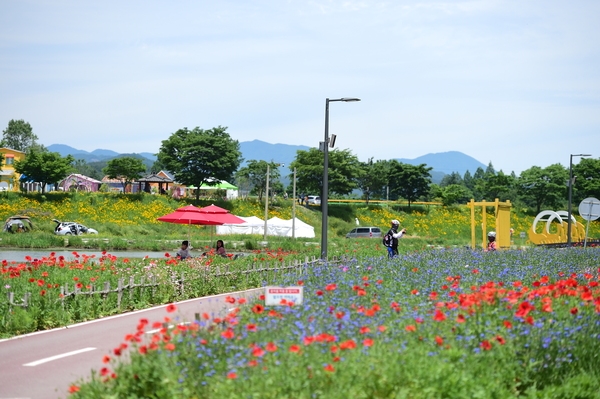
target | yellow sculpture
x=555, y=233
x=502, y=212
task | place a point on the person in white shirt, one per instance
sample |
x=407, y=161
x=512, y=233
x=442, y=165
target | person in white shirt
x=184, y=252
x=394, y=235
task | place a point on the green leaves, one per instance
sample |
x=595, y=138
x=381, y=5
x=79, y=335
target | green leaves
x=44, y=167
x=18, y=136
x=127, y=169
x=200, y=157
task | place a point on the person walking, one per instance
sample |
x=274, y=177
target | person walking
x=390, y=240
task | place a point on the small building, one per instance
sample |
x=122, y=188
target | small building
x=77, y=182
x=157, y=181
x=9, y=178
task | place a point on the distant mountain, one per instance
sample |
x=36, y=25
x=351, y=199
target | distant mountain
x=105, y=153
x=262, y=151
x=443, y=163
x=447, y=162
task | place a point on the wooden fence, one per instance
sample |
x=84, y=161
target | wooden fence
x=104, y=289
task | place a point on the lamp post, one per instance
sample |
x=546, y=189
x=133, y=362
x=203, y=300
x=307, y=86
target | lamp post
x=294, y=207
x=267, y=202
x=571, y=194
x=267, y=197
x=325, y=193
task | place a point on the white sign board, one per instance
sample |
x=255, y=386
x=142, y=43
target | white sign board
x=589, y=209
x=275, y=295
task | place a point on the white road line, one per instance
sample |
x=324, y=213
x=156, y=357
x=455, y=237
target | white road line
x=51, y=358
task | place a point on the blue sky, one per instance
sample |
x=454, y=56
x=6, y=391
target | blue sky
x=516, y=83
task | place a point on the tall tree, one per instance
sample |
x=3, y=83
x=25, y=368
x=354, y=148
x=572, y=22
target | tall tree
x=18, y=136
x=368, y=179
x=126, y=169
x=83, y=168
x=452, y=178
x=44, y=167
x=543, y=187
x=587, y=183
x=255, y=173
x=455, y=193
x=498, y=186
x=344, y=170
x=200, y=157
x=410, y=181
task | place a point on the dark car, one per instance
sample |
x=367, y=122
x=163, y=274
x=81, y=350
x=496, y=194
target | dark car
x=365, y=232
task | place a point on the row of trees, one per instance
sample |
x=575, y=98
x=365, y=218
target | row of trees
x=204, y=157
x=45, y=167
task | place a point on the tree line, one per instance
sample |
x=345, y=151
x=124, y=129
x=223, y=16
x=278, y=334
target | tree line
x=200, y=157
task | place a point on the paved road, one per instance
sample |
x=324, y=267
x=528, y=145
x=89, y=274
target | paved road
x=43, y=365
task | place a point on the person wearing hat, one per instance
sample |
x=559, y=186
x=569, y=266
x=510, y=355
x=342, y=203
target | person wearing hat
x=392, y=238
x=184, y=252
x=492, y=244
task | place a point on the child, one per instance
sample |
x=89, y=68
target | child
x=492, y=245
x=221, y=248
x=184, y=252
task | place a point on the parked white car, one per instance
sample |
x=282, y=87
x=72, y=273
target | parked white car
x=314, y=200
x=72, y=228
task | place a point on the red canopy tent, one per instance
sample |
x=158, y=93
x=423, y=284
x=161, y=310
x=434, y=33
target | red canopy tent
x=209, y=215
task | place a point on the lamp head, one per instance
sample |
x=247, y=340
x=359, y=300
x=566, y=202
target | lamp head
x=349, y=99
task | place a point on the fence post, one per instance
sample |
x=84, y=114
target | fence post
x=119, y=292
x=131, y=284
x=26, y=300
x=182, y=284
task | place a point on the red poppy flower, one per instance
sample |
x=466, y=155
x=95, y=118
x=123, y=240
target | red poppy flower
x=500, y=339
x=368, y=342
x=348, y=344
x=414, y=292
x=294, y=349
x=410, y=328
x=439, y=340
x=171, y=308
x=242, y=301
x=485, y=345
x=329, y=368
x=460, y=318
x=439, y=316
x=229, y=299
x=271, y=347
x=43, y=292
x=258, y=309
x=232, y=376
x=382, y=328
x=73, y=389
x=319, y=293
x=170, y=346
x=106, y=359
x=300, y=282
x=574, y=311
x=228, y=334
x=258, y=352
x=252, y=363
x=330, y=287
x=364, y=330
x=143, y=349
x=251, y=327
x=507, y=324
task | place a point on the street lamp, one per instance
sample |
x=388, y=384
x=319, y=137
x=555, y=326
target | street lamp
x=571, y=194
x=324, y=194
x=267, y=197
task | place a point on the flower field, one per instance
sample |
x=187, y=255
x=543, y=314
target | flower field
x=48, y=281
x=431, y=324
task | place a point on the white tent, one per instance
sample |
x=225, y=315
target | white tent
x=252, y=225
x=283, y=228
x=275, y=227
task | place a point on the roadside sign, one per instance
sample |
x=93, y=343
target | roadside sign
x=275, y=295
x=589, y=208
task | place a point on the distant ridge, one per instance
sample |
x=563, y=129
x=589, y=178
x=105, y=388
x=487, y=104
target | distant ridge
x=447, y=162
x=443, y=163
